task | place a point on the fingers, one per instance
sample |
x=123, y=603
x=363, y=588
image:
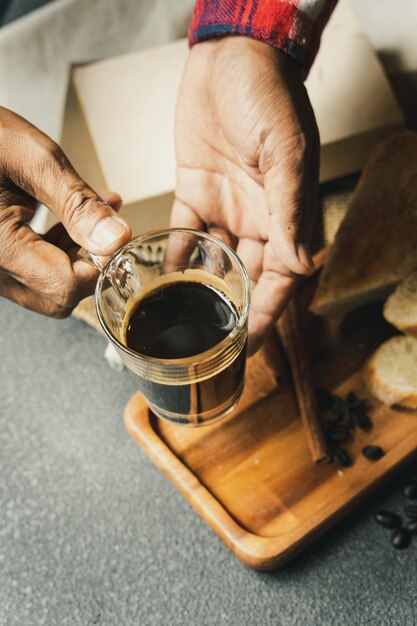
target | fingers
x=224, y=235
x=270, y=296
x=113, y=199
x=58, y=235
x=251, y=253
x=272, y=287
x=20, y=294
x=179, y=246
x=183, y=216
x=37, y=165
x=271, y=280
x=314, y=197
x=37, y=264
x=287, y=196
x=85, y=274
x=290, y=171
x=289, y=162
x=42, y=273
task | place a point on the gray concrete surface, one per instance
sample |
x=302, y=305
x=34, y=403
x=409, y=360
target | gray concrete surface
x=92, y=533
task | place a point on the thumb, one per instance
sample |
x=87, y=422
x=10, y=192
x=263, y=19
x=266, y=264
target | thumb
x=113, y=199
x=47, y=175
x=90, y=220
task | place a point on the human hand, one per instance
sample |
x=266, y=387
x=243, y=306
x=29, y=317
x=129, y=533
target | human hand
x=247, y=151
x=43, y=273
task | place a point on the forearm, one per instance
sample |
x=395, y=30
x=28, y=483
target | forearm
x=293, y=26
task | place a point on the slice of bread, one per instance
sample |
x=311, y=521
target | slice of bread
x=400, y=309
x=391, y=372
x=376, y=245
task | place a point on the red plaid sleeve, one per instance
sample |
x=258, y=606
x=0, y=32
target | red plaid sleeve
x=294, y=26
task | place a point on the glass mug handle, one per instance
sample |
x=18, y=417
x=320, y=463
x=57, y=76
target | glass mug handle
x=98, y=262
x=118, y=270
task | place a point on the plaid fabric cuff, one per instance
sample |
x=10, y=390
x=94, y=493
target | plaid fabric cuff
x=293, y=26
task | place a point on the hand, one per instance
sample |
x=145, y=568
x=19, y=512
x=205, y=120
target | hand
x=43, y=273
x=247, y=165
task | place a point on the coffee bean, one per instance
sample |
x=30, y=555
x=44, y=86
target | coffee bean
x=340, y=457
x=352, y=398
x=353, y=402
x=411, y=510
x=373, y=453
x=325, y=400
x=412, y=527
x=338, y=410
x=337, y=416
x=350, y=419
x=387, y=519
x=401, y=538
x=360, y=419
x=337, y=433
x=410, y=491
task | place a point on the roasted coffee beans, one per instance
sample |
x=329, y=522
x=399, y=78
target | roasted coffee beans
x=373, y=453
x=340, y=457
x=411, y=510
x=401, y=538
x=412, y=527
x=337, y=434
x=387, y=519
x=410, y=491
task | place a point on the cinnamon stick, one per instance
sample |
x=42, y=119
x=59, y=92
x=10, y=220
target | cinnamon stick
x=294, y=343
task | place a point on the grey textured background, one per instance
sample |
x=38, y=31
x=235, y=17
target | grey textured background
x=91, y=533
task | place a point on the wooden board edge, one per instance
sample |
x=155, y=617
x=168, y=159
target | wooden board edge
x=257, y=552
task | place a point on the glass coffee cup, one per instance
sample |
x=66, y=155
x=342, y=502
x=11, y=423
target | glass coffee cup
x=174, y=303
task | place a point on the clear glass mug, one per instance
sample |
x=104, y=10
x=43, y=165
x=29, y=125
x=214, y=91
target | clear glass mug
x=198, y=389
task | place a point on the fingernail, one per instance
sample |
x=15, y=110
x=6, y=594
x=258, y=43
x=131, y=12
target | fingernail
x=304, y=256
x=108, y=231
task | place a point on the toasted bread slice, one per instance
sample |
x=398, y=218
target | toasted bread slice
x=400, y=309
x=391, y=372
x=376, y=245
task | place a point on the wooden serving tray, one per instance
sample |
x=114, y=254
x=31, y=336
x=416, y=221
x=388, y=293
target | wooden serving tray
x=250, y=476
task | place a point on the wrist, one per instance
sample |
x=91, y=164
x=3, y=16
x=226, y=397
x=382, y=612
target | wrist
x=220, y=52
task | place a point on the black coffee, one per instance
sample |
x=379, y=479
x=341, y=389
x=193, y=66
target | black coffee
x=180, y=320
